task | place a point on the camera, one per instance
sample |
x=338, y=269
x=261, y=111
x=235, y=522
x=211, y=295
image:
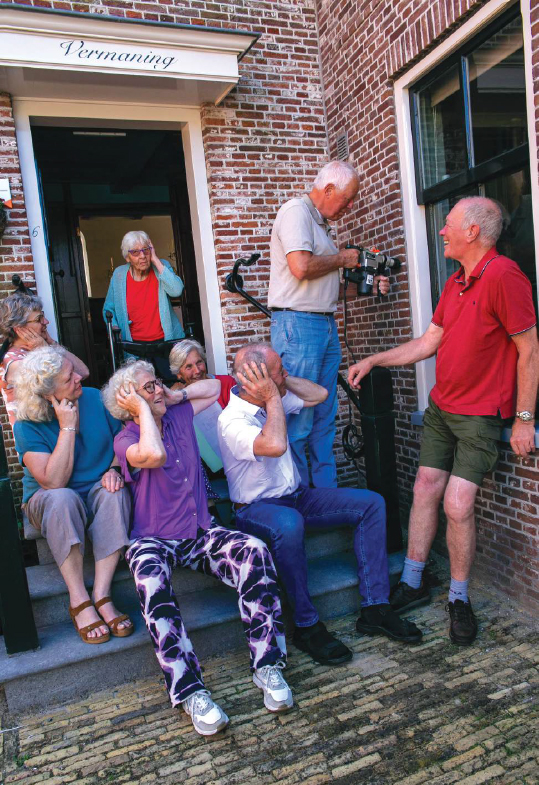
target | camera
x=370, y=263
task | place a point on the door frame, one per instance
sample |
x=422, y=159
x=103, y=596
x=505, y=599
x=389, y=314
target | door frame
x=183, y=119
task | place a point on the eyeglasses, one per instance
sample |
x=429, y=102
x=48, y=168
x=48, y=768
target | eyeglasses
x=41, y=318
x=151, y=385
x=139, y=251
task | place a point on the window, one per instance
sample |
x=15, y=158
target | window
x=470, y=138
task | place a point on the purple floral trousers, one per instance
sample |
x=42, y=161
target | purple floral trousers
x=236, y=559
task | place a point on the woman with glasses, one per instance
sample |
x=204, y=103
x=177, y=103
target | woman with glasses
x=23, y=327
x=139, y=299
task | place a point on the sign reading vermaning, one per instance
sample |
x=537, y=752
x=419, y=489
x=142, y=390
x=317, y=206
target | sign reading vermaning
x=51, y=51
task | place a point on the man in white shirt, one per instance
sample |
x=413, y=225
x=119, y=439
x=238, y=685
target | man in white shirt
x=303, y=293
x=271, y=504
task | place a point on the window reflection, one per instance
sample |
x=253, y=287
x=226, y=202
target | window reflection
x=517, y=241
x=498, y=93
x=443, y=137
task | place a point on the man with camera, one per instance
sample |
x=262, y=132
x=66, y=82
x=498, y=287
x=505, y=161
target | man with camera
x=303, y=294
x=483, y=330
x=271, y=504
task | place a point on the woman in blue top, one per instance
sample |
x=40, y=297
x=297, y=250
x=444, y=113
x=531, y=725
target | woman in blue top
x=64, y=438
x=139, y=300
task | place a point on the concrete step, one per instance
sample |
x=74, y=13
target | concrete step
x=64, y=668
x=50, y=600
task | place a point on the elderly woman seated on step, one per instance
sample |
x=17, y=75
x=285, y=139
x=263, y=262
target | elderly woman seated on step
x=64, y=439
x=158, y=453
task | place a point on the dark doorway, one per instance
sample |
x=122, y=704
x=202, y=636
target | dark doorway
x=96, y=185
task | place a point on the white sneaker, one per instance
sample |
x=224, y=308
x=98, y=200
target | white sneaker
x=277, y=693
x=207, y=716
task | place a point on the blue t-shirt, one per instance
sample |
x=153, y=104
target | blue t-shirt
x=94, y=449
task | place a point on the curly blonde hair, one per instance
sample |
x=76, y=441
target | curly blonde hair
x=37, y=376
x=122, y=378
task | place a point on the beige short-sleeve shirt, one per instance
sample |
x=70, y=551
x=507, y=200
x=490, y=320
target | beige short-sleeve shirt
x=300, y=227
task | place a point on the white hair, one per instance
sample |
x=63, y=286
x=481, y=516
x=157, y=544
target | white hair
x=484, y=213
x=337, y=173
x=180, y=352
x=38, y=373
x=131, y=239
x=125, y=375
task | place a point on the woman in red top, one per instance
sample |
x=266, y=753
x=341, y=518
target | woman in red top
x=139, y=300
x=23, y=327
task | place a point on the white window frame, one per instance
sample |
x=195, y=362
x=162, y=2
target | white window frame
x=187, y=121
x=415, y=222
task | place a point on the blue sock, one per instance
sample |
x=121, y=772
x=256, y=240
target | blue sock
x=458, y=590
x=412, y=572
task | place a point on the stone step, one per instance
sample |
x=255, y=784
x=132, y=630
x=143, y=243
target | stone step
x=64, y=668
x=50, y=600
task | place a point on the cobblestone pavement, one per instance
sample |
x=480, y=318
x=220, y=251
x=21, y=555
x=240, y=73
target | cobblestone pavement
x=432, y=714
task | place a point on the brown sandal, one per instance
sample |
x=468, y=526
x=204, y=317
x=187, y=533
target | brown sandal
x=113, y=625
x=83, y=631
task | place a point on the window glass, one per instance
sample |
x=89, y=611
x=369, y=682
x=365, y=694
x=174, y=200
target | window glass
x=513, y=192
x=498, y=93
x=441, y=128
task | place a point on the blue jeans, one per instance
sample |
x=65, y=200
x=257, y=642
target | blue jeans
x=309, y=347
x=281, y=524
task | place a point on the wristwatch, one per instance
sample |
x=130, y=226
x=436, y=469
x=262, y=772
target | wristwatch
x=525, y=416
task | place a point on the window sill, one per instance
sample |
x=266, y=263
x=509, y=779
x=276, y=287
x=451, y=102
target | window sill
x=417, y=419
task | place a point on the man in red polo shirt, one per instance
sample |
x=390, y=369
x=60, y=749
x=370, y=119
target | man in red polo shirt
x=486, y=370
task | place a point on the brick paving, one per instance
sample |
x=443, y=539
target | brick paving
x=434, y=714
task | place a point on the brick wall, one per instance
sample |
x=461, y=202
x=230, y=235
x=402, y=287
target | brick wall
x=364, y=46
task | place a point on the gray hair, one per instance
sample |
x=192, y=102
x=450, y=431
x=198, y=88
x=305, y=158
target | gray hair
x=131, y=239
x=257, y=352
x=37, y=376
x=484, y=213
x=125, y=375
x=14, y=312
x=180, y=352
x=337, y=173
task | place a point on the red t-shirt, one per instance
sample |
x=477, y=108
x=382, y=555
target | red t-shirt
x=143, y=308
x=227, y=383
x=476, y=366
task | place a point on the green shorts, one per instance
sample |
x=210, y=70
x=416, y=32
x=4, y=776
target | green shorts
x=465, y=445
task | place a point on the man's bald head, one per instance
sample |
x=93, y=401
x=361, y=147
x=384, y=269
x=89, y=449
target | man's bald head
x=258, y=352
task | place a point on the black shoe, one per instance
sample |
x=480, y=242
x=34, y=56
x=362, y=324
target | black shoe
x=382, y=620
x=402, y=597
x=323, y=647
x=463, y=626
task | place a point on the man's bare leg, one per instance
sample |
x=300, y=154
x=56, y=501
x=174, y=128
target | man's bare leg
x=459, y=503
x=429, y=488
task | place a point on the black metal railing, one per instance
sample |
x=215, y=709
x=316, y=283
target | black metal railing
x=374, y=402
x=16, y=613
